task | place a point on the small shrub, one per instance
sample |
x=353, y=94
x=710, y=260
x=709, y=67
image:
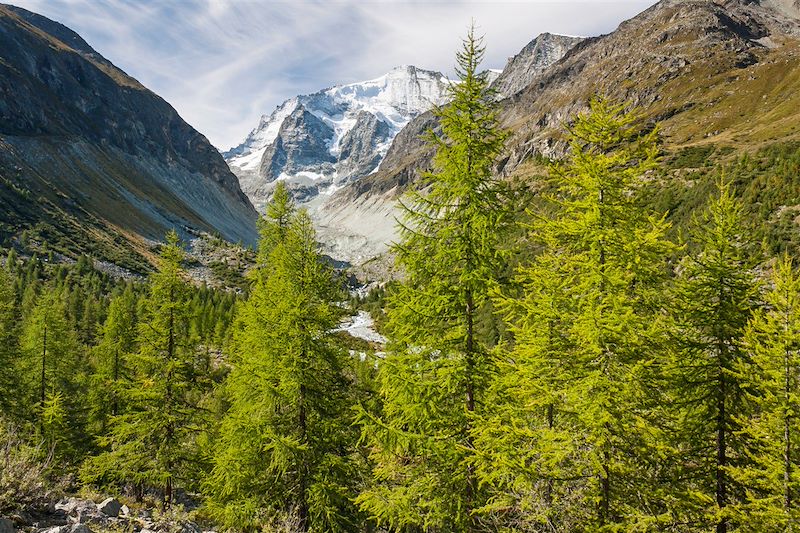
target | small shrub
x=25, y=480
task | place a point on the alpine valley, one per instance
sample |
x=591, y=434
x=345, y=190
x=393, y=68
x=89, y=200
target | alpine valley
x=561, y=296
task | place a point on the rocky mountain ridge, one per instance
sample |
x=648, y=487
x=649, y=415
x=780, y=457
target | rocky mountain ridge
x=536, y=57
x=321, y=141
x=93, y=161
x=720, y=71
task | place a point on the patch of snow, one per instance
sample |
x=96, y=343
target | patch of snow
x=362, y=326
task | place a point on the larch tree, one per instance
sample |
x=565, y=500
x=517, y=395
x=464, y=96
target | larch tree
x=433, y=380
x=111, y=359
x=771, y=381
x=716, y=293
x=152, y=443
x=9, y=343
x=54, y=369
x=287, y=445
x=560, y=448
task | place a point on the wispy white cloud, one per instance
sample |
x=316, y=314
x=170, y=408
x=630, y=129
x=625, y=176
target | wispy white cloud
x=223, y=63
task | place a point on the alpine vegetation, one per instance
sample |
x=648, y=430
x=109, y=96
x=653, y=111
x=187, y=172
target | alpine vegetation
x=603, y=338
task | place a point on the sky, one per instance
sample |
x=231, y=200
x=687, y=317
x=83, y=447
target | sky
x=224, y=63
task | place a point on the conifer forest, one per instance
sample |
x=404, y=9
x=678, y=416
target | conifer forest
x=570, y=353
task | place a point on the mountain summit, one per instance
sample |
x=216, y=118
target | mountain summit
x=320, y=141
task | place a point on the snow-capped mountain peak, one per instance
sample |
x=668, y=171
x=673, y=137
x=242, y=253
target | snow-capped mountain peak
x=344, y=135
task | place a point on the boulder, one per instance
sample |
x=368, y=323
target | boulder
x=7, y=526
x=68, y=505
x=110, y=507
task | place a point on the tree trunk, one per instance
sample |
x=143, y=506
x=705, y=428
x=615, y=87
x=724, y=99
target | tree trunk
x=44, y=366
x=168, y=403
x=787, y=452
x=470, y=401
x=115, y=403
x=303, y=504
x=722, y=458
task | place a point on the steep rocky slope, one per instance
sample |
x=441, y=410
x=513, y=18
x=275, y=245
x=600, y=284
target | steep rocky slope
x=709, y=71
x=94, y=162
x=537, y=56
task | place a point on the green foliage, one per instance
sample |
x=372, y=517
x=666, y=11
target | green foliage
x=52, y=372
x=433, y=380
x=716, y=293
x=9, y=338
x=151, y=443
x=585, y=326
x=111, y=357
x=770, y=383
x=287, y=448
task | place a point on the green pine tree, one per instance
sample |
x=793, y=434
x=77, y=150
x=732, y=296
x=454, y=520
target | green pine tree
x=153, y=442
x=287, y=449
x=9, y=343
x=771, y=381
x=111, y=359
x=560, y=446
x=54, y=366
x=716, y=294
x=434, y=378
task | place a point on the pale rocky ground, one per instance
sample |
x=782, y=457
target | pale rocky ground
x=79, y=515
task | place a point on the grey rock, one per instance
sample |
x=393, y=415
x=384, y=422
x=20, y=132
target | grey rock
x=358, y=149
x=190, y=527
x=124, y=510
x=110, y=507
x=535, y=58
x=80, y=528
x=56, y=529
x=68, y=505
x=302, y=145
x=7, y=526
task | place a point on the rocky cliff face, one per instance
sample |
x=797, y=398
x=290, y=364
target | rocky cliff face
x=706, y=70
x=84, y=144
x=535, y=58
x=321, y=141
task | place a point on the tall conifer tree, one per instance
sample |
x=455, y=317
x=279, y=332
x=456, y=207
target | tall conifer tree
x=287, y=444
x=771, y=381
x=716, y=294
x=111, y=359
x=54, y=367
x=433, y=381
x=574, y=383
x=152, y=443
x=9, y=343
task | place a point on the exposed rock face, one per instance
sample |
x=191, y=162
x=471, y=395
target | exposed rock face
x=320, y=141
x=301, y=146
x=535, y=58
x=100, y=149
x=702, y=68
x=359, y=153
